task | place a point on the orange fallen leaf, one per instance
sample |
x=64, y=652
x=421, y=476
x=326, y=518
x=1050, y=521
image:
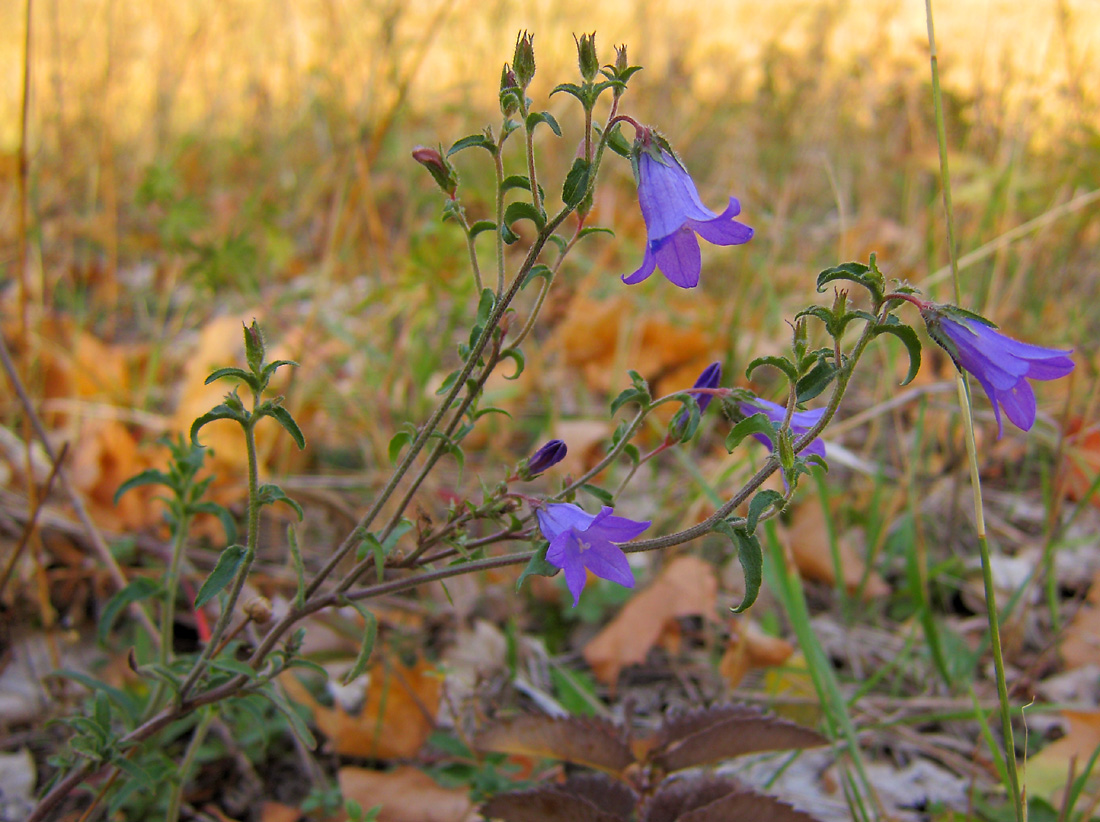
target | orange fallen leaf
x=808, y=538
x=1082, y=459
x=686, y=587
x=278, y=812
x=1081, y=641
x=398, y=713
x=105, y=454
x=1048, y=771
x=406, y=795
x=749, y=648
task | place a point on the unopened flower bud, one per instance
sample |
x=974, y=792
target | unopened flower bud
x=586, y=56
x=785, y=450
x=550, y=454
x=258, y=610
x=510, y=92
x=621, y=61
x=523, y=62
x=442, y=171
x=254, y=346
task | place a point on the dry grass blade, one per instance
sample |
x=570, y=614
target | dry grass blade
x=590, y=742
x=732, y=736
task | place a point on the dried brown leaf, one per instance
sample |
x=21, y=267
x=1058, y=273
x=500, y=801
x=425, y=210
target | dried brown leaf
x=676, y=797
x=406, y=795
x=747, y=807
x=733, y=734
x=594, y=743
x=808, y=538
x=545, y=804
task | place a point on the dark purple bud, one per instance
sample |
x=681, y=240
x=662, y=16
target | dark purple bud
x=442, y=171
x=586, y=56
x=523, y=62
x=710, y=378
x=550, y=454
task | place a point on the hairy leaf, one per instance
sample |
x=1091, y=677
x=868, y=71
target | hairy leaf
x=228, y=563
x=678, y=796
x=908, y=336
x=545, y=804
x=747, y=807
x=137, y=590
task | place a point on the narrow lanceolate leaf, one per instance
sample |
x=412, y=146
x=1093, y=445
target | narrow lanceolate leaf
x=222, y=575
x=218, y=412
x=272, y=367
x=816, y=380
x=730, y=734
x=150, y=476
x=762, y=502
x=287, y=421
x=536, y=117
x=297, y=725
x=594, y=743
x=299, y=566
x=576, y=182
x=135, y=591
x=370, y=635
x=751, y=558
x=473, y=141
x=866, y=276
x=269, y=494
x=909, y=337
x=238, y=373
x=782, y=363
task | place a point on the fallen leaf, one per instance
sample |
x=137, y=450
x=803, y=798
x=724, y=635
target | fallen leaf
x=406, y=795
x=1081, y=641
x=808, y=538
x=686, y=587
x=1047, y=772
x=278, y=812
x=1082, y=462
x=397, y=716
x=749, y=647
x=104, y=455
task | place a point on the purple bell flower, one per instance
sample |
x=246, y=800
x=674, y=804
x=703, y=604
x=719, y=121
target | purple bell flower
x=801, y=422
x=1000, y=364
x=674, y=214
x=710, y=378
x=580, y=542
x=550, y=454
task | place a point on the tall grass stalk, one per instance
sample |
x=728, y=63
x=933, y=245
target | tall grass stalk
x=971, y=448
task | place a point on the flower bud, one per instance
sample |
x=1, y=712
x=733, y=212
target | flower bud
x=523, y=62
x=586, y=56
x=258, y=610
x=510, y=92
x=442, y=172
x=550, y=454
x=785, y=449
x=621, y=61
x=254, y=346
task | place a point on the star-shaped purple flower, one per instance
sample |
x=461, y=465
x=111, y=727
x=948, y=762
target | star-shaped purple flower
x=580, y=542
x=801, y=422
x=1000, y=364
x=674, y=214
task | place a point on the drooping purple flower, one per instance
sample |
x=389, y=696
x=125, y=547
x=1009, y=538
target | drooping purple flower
x=549, y=454
x=580, y=541
x=1000, y=364
x=710, y=378
x=801, y=422
x=674, y=214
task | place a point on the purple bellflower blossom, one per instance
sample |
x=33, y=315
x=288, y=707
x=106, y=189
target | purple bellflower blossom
x=674, y=214
x=710, y=378
x=550, y=454
x=801, y=422
x=1000, y=364
x=581, y=542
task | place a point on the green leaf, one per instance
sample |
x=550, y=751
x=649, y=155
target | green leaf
x=229, y=525
x=677, y=430
x=370, y=636
x=536, y=117
x=537, y=566
x=297, y=725
x=760, y=504
x=397, y=443
x=269, y=494
x=484, y=309
x=751, y=558
x=135, y=591
x=473, y=141
x=218, y=412
x=287, y=421
x=756, y=424
x=524, y=211
x=594, y=229
x=150, y=476
x=867, y=276
x=815, y=381
x=253, y=346
x=909, y=337
x=516, y=356
x=569, y=88
x=576, y=182
x=272, y=367
x=238, y=373
x=480, y=226
x=299, y=566
x=602, y=495
x=448, y=383
x=540, y=270
x=223, y=573
x=782, y=363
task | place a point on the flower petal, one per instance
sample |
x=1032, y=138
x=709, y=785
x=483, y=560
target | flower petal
x=649, y=264
x=558, y=517
x=667, y=196
x=723, y=230
x=679, y=258
x=608, y=562
x=615, y=529
x=1023, y=350
x=1050, y=369
x=1019, y=404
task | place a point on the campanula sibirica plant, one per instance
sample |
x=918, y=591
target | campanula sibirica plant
x=674, y=214
x=581, y=542
x=710, y=378
x=1000, y=364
